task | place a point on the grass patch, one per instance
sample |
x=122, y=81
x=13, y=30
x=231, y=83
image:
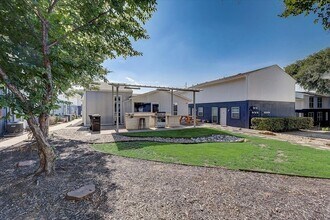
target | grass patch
x=180, y=133
x=255, y=154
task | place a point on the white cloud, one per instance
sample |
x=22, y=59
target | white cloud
x=131, y=80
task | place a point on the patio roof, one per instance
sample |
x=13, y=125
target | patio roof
x=164, y=88
x=155, y=87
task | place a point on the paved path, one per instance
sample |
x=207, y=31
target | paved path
x=319, y=141
x=18, y=139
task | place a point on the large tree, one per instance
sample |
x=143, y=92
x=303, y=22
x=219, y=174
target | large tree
x=321, y=8
x=46, y=46
x=311, y=72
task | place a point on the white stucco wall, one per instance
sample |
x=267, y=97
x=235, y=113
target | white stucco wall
x=304, y=102
x=233, y=90
x=163, y=98
x=271, y=84
x=299, y=104
x=101, y=102
x=326, y=102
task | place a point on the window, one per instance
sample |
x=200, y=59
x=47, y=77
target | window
x=319, y=102
x=215, y=111
x=311, y=102
x=319, y=116
x=235, y=112
x=327, y=116
x=311, y=114
x=200, y=111
x=142, y=107
x=299, y=114
x=190, y=111
x=175, y=109
x=155, y=107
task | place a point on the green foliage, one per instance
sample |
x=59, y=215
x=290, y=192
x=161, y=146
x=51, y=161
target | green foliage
x=309, y=71
x=319, y=7
x=296, y=123
x=282, y=124
x=81, y=35
x=269, y=124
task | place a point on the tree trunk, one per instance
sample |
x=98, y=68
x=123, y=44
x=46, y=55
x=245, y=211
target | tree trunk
x=46, y=152
x=44, y=123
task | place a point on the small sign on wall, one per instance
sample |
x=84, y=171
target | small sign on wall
x=254, y=111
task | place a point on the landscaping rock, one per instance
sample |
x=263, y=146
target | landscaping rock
x=207, y=139
x=81, y=193
x=25, y=163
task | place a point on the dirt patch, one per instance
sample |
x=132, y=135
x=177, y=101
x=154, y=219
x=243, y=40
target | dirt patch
x=262, y=145
x=136, y=189
x=280, y=157
x=267, y=133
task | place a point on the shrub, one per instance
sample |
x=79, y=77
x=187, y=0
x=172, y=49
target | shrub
x=282, y=124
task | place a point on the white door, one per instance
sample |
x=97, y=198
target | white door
x=215, y=114
x=223, y=116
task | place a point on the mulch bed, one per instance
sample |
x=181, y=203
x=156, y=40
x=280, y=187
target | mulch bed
x=134, y=189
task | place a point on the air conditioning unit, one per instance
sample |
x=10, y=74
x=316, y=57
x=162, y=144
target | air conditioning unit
x=14, y=128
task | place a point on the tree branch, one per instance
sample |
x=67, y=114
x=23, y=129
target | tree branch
x=52, y=5
x=12, y=87
x=63, y=37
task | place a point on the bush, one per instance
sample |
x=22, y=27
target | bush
x=282, y=124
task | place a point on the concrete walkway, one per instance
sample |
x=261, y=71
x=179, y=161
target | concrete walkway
x=297, y=137
x=15, y=140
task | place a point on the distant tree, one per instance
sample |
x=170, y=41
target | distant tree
x=319, y=7
x=46, y=46
x=311, y=72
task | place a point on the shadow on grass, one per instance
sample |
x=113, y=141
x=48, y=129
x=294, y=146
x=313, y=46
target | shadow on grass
x=180, y=133
x=27, y=197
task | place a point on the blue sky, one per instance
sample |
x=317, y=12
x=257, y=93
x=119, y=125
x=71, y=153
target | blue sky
x=193, y=41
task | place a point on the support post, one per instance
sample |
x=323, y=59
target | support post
x=117, y=110
x=194, y=109
x=172, y=110
x=113, y=105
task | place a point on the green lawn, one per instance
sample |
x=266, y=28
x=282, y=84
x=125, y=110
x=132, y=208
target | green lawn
x=180, y=133
x=255, y=154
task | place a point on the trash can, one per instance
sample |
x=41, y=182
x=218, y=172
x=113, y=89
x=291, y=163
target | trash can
x=95, y=121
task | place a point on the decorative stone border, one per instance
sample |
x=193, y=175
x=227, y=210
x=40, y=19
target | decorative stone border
x=207, y=139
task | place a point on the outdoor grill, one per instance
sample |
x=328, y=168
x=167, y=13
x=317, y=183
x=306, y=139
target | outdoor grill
x=160, y=119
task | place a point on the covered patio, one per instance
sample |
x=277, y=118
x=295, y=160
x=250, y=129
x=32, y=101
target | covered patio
x=172, y=90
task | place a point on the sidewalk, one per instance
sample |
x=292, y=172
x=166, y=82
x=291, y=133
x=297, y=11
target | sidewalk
x=297, y=137
x=15, y=140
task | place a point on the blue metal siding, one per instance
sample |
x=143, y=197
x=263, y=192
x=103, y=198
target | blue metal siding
x=265, y=109
x=243, y=121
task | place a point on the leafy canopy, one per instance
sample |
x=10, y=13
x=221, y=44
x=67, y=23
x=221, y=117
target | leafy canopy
x=80, y=36
x=310, y=71
x=319, y=7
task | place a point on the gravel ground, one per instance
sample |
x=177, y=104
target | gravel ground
x=135, y=189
